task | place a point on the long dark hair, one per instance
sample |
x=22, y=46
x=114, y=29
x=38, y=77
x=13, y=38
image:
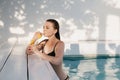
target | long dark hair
x=56, y=26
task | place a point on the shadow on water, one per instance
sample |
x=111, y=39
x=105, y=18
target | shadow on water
x=117, y=61
x=100, y=63
x=72, y=62
x=72, y=65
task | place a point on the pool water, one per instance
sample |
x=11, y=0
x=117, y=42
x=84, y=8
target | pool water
x=92, y=69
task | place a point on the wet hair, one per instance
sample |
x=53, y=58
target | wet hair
x=56, y=26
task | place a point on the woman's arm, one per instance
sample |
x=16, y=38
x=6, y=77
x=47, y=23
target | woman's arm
x=36, y=36
x=59, y=52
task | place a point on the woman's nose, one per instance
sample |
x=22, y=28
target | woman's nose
x=44, y=30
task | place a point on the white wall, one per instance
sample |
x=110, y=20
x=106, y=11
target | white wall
x=79, y=19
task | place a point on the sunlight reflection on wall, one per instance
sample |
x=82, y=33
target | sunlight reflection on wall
x=113, y=27
x=113, y=3
x=1, y=24
x=16, y=30
x=82, y=22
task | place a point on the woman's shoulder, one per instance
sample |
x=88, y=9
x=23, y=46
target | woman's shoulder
x=60, y=46
x=60, y=43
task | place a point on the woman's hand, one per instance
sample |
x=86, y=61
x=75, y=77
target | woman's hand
x=35, y=49
x=32, y=49
x=29, y=50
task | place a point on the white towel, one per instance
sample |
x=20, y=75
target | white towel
x=40, y=39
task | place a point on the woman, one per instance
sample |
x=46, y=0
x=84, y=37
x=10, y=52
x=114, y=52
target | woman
x=53, y=49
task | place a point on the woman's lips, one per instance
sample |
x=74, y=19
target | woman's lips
x=44, y=33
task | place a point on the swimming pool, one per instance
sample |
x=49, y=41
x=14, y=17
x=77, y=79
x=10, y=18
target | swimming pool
x=92, y=69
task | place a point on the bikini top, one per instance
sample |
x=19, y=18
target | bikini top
x=53, y=52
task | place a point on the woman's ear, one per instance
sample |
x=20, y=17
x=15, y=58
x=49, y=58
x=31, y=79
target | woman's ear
x=55, y=31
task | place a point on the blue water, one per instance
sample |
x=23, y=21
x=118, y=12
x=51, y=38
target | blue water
x=92, y=69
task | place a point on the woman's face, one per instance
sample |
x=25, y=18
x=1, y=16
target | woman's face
x=48, y=29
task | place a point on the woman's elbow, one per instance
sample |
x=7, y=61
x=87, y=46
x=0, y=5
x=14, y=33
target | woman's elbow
x=56, y=62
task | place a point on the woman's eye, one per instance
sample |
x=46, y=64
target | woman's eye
x=43, y=27
x=47, y=27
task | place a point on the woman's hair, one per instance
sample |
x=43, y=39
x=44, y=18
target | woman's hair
x=56, y=26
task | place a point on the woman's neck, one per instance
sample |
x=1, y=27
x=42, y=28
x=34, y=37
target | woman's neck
x=52, y=38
